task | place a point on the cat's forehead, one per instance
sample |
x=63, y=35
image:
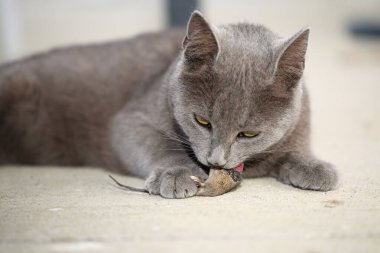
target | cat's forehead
x=246, y=39
x=231, y=107
x=245, y=52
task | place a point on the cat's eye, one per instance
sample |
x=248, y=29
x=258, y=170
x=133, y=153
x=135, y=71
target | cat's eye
x=202, y=121
x=247, y=134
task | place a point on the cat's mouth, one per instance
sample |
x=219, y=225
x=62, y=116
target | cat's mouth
x=239, y=168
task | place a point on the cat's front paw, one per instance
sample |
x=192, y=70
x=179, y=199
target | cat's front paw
x=309, y=173
x=174, y=182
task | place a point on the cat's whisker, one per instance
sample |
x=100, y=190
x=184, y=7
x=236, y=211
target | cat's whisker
x=180, y=138
x=175, y=137
x=177, y=140
x=171, y=135
x=174, y=149
x=276, y=151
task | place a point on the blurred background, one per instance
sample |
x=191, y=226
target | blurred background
x=29, y=26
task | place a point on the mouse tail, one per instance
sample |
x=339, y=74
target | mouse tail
x=127, y=186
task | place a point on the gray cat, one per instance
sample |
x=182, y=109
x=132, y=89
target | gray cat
x=232, y=94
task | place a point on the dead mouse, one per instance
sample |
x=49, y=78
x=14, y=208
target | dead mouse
x=218, y=182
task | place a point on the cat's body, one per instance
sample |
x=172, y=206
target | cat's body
x=133, y=106
x=56, y=107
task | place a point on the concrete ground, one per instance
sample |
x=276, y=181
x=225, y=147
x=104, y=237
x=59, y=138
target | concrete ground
x=47, y=209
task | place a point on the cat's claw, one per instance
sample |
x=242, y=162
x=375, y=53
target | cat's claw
x=172, y=183
x=198, y=182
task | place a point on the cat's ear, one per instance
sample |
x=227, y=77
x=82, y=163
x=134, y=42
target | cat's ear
x=290, y=60
x=200, y=43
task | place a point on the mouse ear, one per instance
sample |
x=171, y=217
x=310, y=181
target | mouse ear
x=200, y=43
x=290, y=60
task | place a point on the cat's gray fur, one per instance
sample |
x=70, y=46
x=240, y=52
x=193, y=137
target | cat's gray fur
x=129, y=106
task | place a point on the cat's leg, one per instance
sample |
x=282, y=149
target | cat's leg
x=155, y=154
x=304, y=171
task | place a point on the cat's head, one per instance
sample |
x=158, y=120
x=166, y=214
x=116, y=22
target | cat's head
x=236, y=89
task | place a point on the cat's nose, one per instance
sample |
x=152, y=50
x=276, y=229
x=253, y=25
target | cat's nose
x=216, y=158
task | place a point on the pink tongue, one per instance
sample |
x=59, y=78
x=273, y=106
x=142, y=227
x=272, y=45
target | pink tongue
x=239, y=168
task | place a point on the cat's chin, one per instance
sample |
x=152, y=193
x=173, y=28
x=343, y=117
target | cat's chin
x=238, y=167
